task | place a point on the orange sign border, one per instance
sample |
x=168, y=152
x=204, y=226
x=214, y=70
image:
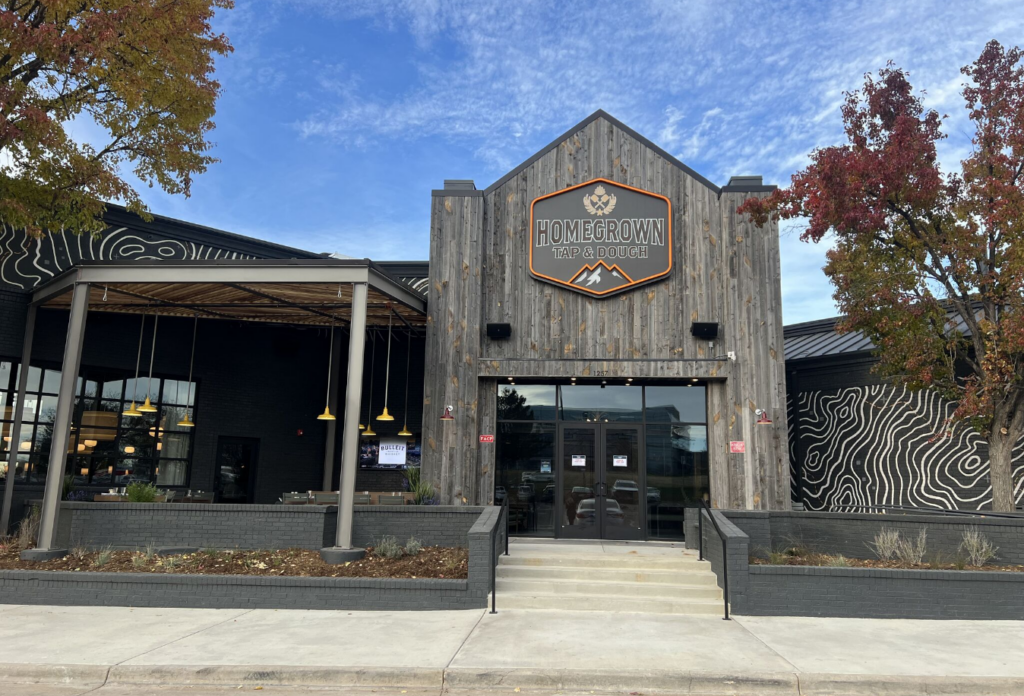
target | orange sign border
x=621, y=288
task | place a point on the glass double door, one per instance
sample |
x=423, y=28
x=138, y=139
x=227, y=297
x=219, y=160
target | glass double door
x=601, y=481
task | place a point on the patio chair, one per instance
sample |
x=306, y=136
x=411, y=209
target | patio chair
x=361, y=499
x=171, y=496
x=398, y=499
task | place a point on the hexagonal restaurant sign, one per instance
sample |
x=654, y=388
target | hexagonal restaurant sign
x=600, y=238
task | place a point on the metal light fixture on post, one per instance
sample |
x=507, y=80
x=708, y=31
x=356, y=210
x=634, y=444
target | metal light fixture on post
x=327, y=415
x=133, y=410
x=762, y=417
x=368, y=432
x=148, y=407
x=405, y=432
x=447, y=415
x=187, y=422
x=385, y=416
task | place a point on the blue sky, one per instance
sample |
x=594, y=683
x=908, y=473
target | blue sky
x=338, y=118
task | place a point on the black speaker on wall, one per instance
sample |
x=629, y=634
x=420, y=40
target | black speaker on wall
x=499, y=331
x=705, y=330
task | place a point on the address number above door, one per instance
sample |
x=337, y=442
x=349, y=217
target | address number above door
x=600, y=238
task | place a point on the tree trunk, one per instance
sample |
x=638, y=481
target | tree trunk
x=1007, y=429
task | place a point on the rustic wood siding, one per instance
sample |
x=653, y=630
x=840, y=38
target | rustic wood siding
x=724, y=269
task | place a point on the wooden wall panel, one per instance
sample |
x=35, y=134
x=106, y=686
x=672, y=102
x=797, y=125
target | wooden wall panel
x=724, y=270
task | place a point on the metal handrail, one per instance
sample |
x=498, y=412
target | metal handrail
x=938, y=511
x=503, y=514
x=725, y=556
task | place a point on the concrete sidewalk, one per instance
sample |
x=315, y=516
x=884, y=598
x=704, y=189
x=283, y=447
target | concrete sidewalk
x=73, y=650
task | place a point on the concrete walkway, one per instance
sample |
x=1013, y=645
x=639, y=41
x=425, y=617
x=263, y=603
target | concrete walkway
x=75, y=650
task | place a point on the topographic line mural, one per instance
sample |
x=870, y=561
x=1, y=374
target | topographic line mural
x=26, y=262
x=876, y=445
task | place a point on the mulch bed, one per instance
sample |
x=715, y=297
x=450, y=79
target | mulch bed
x=431, y=562
x=824, y=560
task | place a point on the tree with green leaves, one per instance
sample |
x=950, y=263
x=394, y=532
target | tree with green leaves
x=141, y=71
x=930, y=264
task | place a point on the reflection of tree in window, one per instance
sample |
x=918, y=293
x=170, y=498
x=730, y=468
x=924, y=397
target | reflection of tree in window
x=512, y=406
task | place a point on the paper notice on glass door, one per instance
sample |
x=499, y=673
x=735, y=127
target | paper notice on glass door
x=620, y=461
x=579, y=460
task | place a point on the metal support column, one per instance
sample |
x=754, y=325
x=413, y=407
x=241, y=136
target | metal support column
x=332, y=401
x=14, y=446
x=47, y=540
x=342, y=550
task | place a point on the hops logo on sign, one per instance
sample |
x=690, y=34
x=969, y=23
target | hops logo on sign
x=599, y=202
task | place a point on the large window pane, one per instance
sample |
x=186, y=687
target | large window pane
x=171, y=472
x=677, y=475
x=596, y=404
x=525, y=456
x=51, y=381
x=526, y=402
x=174, y=445
x=676, y=405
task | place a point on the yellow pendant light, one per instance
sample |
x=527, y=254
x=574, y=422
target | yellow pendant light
x=368, y=432
x=186, y=422
x=326, y=415
x=133, y=410
x=405, y=432
x=385, y=416
x=148, y=407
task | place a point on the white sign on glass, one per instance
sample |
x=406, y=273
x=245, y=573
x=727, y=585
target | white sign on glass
x=579, y=460
x=392, y=450
x=620, y=460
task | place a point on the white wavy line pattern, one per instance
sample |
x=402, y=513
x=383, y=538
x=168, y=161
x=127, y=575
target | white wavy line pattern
x=26, y=262
x=876, y=445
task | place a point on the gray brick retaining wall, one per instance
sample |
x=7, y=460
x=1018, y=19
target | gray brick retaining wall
x=882, y=593
x=126, y=525
x=762, y=590
x=850, y=533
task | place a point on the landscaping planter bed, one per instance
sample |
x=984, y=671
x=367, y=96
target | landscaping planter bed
x=432, y=562
x=826, y=561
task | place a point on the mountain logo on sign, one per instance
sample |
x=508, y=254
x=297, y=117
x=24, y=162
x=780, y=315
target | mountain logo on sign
x=601, y=277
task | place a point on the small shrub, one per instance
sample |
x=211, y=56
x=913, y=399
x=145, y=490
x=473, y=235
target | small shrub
x=387, y=547
x=978, y=549
x=959, y=562
x=778, y=557
x=78, y=553
x=68, y=487
x=103, y=557
x=413, y=546
x=139, y=492
x=139, y=561
x=172, y=562
x=912, y=552
x=886, y=544
x=150, y=553
x=837, y=561
x=28, y=529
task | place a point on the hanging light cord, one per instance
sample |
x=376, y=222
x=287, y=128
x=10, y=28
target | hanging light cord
x=373, y=354
x=387, y=370
x=152, y=352
x=408, y=353
x=191, y=360
x=330, y=360
x=138, y=359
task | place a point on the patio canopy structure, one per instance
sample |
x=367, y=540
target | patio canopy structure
x=345, y=294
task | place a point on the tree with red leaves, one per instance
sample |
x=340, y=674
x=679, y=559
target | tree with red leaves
x=140, y=70
x=930, y=265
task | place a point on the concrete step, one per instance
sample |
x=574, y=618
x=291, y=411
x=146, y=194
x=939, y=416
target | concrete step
x=601, y=561
x=605, y=589
x=515, y=600
x=695, y=575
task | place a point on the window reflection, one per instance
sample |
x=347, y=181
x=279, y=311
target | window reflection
x=596, y=404
x=526, y=402
x=525, y=456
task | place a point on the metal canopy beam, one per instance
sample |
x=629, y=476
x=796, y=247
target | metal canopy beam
x=281, y=302
x=246, y=272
